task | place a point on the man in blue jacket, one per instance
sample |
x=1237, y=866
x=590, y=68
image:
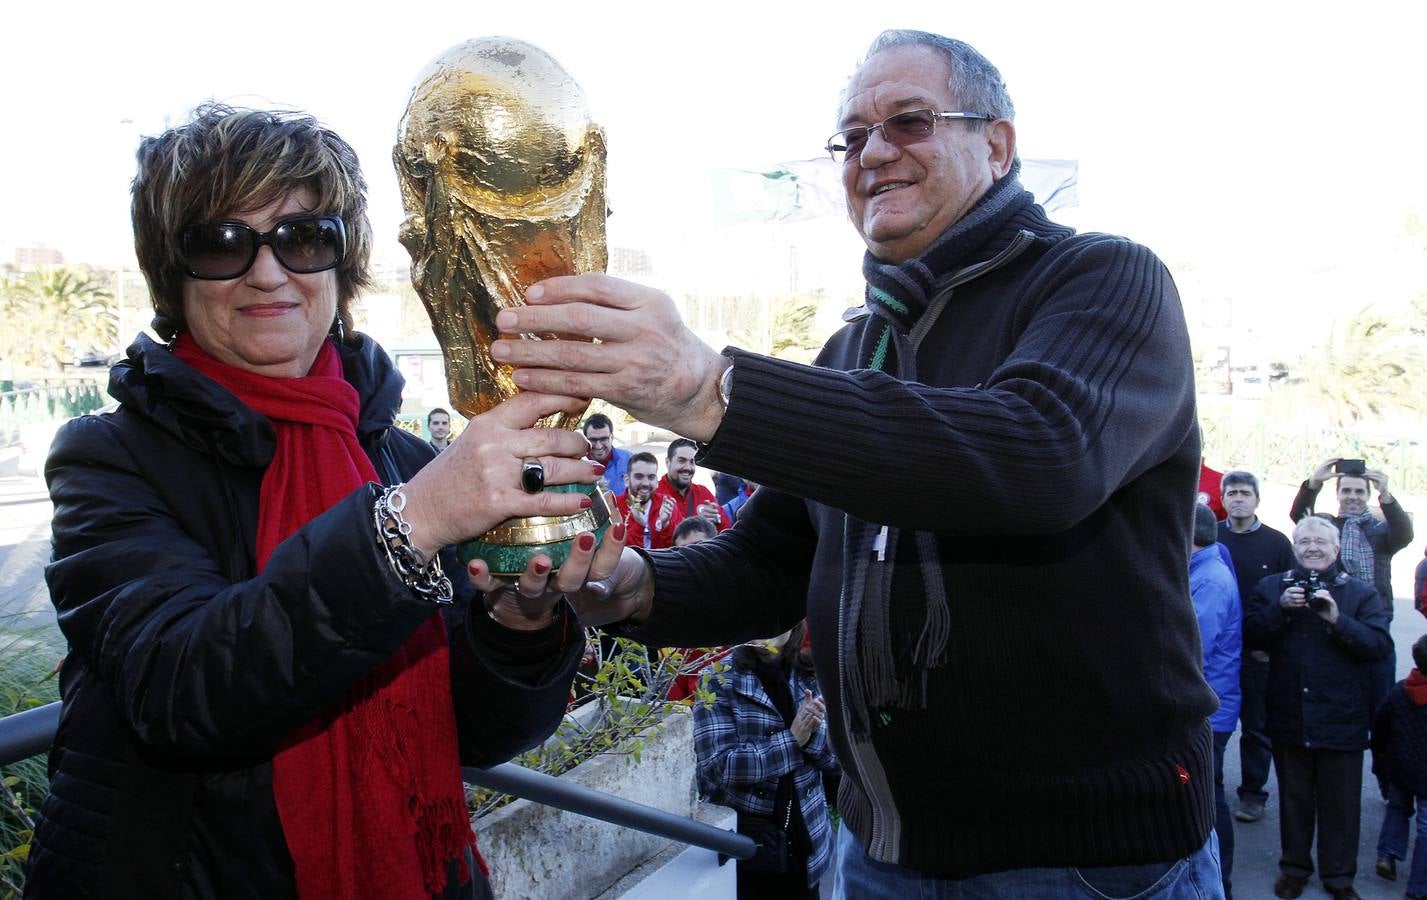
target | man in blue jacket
x=1323, y=629
x=1216, y=603
x=599, y=431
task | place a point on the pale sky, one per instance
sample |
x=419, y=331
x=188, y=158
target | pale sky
x=1271, y=137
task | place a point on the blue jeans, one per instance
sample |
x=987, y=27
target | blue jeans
x=1392, y=841
x=1196, y=877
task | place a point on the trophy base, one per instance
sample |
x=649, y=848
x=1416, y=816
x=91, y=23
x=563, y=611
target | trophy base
x=509, y=547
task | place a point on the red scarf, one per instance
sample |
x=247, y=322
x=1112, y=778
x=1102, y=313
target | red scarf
x=369, y=793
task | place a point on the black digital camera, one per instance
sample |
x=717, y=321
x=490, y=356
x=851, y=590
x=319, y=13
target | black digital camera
x=1312, y=585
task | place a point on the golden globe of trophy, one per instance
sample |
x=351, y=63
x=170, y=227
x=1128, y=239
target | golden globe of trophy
x=502, y=177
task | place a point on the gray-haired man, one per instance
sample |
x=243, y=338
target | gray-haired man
x=1014, y=703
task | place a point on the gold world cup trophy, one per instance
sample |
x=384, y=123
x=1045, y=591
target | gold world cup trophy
x=502, y=178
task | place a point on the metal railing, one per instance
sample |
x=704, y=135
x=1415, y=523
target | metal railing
x=53, y=399
x=1287, y=452
x=28, y=733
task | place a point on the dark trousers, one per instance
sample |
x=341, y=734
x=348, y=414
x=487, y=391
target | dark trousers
x=1323, y=787
x=1255, y=751
x=1223, y=822
x=789, y=885
x=1382, y=675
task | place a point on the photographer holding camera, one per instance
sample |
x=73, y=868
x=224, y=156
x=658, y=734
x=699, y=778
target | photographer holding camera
x=1323, y=629
x=1368, y=541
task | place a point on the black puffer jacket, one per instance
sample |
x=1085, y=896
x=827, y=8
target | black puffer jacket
x=1399, y=735
x=186, y=667
x=1319, y=689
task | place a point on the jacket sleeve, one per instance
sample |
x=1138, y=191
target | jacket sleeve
x=1365, y=633
x=1206, y=611
x=511, y=688
x=1213, y=604
x=725, y=758
x=1419, y=586
x=200, y=666
x=1096, y=390
x=659, y=538
x=1303, y=502
x=1399, y=527
x=818, y=750
x=1263, y=618
x=1382, y=737
x=750, y=581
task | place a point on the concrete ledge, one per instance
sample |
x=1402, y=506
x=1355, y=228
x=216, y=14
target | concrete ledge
x=690, y=873
x=543, y=853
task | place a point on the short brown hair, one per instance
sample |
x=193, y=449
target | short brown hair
x=227, y=160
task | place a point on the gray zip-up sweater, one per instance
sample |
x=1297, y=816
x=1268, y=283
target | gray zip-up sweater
x=1052, y=449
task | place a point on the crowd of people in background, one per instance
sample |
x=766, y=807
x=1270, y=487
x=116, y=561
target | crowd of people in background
x=1295, y=632
x=1298, y=649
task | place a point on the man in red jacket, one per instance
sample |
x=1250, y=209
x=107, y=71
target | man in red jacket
x=636, y=502
x=677, y=497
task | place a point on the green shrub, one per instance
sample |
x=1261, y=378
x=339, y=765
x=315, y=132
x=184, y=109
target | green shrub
x=629, y=688
x=27, y=680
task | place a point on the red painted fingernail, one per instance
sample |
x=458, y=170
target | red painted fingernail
x=587, y=542
x=617, y=532
x=540, y=567
x=586, y=502
x=599, y=469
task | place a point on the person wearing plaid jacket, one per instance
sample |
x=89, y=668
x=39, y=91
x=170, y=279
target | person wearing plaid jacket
x=748, y=739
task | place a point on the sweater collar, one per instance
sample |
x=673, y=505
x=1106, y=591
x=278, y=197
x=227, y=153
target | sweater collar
x=901, y=291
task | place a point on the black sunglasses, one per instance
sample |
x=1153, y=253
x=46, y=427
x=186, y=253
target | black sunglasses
x=302, y=244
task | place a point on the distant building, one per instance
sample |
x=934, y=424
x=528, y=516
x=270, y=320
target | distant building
x=626, y=262
x=37, y=256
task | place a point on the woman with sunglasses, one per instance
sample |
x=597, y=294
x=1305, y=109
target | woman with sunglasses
x=272, y=683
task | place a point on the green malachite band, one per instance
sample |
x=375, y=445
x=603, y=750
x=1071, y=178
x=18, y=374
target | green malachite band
x=510, y=546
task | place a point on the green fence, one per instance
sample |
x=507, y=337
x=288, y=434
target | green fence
x=1288, y=453
x=52, y=399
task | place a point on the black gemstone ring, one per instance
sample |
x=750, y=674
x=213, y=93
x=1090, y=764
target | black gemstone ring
x=532, y=476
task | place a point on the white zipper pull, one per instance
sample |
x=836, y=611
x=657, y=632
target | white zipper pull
x=879, y=546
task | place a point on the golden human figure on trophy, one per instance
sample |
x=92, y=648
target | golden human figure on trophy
x=502, y=177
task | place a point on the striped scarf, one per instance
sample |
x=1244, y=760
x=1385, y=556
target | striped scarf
x=898, y=295
x=1357, y=553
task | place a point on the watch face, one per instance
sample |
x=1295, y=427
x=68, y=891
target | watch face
x=725, y=385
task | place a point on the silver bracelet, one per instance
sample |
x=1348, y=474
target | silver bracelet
x=423, y=576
